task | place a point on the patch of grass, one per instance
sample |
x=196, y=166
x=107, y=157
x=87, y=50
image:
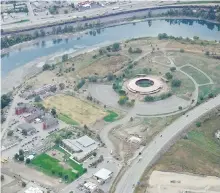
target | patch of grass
x=67, y=119
x=112, y=116
x=199, y=153
x=199, y=77
x=205, y=90
x=51, y=166
x=76, y=166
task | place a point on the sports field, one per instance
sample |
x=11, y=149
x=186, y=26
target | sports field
x=68, y=171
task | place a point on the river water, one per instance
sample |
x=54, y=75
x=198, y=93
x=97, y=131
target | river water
x=183, y=27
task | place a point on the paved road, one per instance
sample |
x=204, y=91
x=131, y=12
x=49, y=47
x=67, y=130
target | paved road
x=134, y=5
x=135, y=171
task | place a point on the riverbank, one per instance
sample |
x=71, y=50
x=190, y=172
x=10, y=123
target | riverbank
x=83, y=32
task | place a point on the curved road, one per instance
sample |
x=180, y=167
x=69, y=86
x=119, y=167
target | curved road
x=153, y=150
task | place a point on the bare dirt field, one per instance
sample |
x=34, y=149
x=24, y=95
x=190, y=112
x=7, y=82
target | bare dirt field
x=168, y=182
x=80, y=111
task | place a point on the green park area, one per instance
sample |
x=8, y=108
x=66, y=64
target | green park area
x=112, y=116
x=68, y=170
x=67, y=119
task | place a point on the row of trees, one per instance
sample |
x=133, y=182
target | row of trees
x=5, y=100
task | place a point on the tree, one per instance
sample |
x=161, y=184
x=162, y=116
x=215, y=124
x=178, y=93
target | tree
x=110, y=76
x=37, y=98
x=176, y=83
x=198, y=124
x=21, y=158
x=130, y=50
x=60, y=174
x=207, y=53
x=5, y=100
x=16, y=156
x=53, y=112
x=182, y=50
x=10, y=133
x=61, y=86
x=46, y=67
x=23, y=184
x=115, y=47
x=172, y=69
x=24, y=132
x=131, y=119
x=58, y=139
x=149, y=99
x=180, y=108
x=64, y=57
x=169, y=75
x=211, y=95
x=2, y=177
x=65, y=11
x=66, y=177
x=27, y=161
x=21, y=152
x=94, y=154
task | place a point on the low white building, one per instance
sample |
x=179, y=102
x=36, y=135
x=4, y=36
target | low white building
x=103, y=175
x=33, y=190
x=81, y=148
x=90, y=186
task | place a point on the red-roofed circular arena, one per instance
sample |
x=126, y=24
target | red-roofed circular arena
x=144, y=85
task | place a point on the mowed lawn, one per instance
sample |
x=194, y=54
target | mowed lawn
x=79, y=111
x=112, y=116
x=52, y=166
x=198, y=154
x=199, y=77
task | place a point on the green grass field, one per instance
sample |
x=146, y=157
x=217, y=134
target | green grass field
x=199, y=153
x=205, y=90
x=67, y=119
x=52, y=167
x=112, y=116
x=197, y=75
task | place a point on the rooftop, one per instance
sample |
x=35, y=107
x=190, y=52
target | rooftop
x=26, y=126
x=103, y=174
x=85, y=141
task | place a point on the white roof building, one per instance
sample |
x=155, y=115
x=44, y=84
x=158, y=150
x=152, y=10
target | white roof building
x=90, y=186
x=134, y=139
x=103, y=175
x=79, y=148
x=33, y=190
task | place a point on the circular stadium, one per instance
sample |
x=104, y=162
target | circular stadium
x=145, y=85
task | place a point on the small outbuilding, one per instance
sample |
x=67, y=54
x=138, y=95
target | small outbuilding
x=91, y=187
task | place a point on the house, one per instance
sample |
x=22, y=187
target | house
x=34, y=115
x=49, y=121
x=103, y=175
x=24, y=108
x=26, y=128
x=81, y=148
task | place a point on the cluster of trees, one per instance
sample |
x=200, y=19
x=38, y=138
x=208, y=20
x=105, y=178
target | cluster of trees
x=176, y=83
x=5, y=100
x=135, y=51
x=19, y=156
x=113, y=48
x=156, y=98
x=124, y=100
x=208, y=13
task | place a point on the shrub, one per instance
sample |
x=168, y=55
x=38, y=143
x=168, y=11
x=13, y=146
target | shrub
x=28, y=161
x=180, y=108
x=21, y=158
x=198, y=124
x=46, y=67
x=172, y=69
x=122, y=100
x=211, y=95
x=169, y=75
x=23, y=184
x=122, y=92
x=115, y=47
x=207, y=53
x=182, y=50
x=10, y=133
x=37, y=99
x=149, y=99
x=176, y=83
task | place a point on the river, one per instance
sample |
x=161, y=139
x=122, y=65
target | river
x=180, y=27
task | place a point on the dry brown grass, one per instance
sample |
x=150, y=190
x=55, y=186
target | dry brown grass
x=78, y=110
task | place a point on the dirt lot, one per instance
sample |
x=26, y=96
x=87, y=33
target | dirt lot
x=80, y=111
x=167, y=182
